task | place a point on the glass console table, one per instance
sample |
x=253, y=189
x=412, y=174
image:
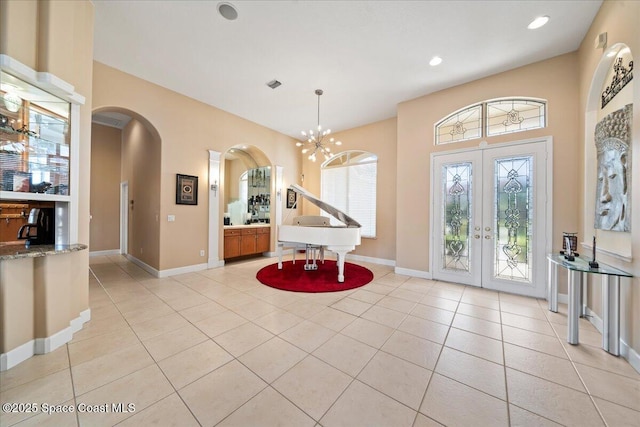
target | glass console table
x=576, y=306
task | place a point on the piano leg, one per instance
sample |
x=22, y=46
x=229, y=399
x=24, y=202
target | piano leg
x=340, y=256
x=311, y=251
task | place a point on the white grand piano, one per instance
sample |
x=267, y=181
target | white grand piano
x=315, y=232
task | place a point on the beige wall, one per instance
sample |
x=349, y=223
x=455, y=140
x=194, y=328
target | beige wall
x=187, y=129
x=141, y=153
x=553, y=80
x=619, y=19
x=18, y=37
x=378, y=138
x=105, y=187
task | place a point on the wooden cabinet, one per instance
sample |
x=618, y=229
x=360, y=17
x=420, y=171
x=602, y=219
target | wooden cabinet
x=246, y=241
x=232, y=243
x=263, y=240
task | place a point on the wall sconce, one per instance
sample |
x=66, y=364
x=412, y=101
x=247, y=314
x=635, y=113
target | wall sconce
x=214, y=187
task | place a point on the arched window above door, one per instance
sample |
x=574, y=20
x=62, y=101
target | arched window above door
x=490, y=118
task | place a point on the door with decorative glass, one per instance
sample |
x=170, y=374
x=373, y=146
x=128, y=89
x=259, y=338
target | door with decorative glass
x=491, y=217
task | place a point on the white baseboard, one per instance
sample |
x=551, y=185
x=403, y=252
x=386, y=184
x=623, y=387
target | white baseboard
x=182, y=270
x=563, y=299
x=104, y=253
x=594, y=319
x=169, y=272
x=372, y=260
x=146, y=267
x=215, y=263
x=78, y=322
x=630, y=354
x=413, y=273
x=18, y=355
x=43, y=345
x=46, y=345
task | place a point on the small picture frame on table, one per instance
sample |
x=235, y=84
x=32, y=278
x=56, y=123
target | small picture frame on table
x=16, y=181
x=292, y=198
x=186, y=189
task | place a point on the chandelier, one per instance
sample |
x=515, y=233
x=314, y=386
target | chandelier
x=316, y=143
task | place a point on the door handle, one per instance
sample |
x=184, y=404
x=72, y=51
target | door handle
x=488, y=237
x=487, y=229
x=477, y=236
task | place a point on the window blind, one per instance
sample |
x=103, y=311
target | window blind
x=352, y=189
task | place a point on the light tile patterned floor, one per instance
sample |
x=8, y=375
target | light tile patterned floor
x=218, y=348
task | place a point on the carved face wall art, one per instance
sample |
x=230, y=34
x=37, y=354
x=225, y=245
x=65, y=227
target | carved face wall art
x=614, y=171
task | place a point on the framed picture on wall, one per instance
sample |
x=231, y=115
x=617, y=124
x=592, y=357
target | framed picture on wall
x=292, y=197
x=186, y=190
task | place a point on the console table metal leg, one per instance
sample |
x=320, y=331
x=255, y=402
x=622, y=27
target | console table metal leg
x=574, y=306
x=584, y=296
x=552, y=286
x=611, y=314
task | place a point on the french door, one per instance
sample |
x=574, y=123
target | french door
x=491, y=219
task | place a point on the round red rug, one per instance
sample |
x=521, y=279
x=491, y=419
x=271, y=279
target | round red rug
x=293, y=277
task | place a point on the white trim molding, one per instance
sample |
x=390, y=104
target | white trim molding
x=43, y=345
x=414, y=273
x=104, y=253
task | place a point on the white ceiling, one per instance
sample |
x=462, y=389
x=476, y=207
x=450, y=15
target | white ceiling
x=367, y=56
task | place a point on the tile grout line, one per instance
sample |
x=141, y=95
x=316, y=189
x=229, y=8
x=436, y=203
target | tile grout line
x=433, y=372
x=504, y=362
x=147, y=351
x=575, y=368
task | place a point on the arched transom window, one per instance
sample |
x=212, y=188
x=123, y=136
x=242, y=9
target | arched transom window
x=490, y=118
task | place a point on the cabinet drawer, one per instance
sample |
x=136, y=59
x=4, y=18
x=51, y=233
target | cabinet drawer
x=233, y=232
x=246, y=231
x=264, y=230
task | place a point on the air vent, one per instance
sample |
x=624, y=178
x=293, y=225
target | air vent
x=273, y=84
x=111, y=119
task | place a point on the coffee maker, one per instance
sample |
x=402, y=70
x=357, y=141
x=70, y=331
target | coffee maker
x=39, y=229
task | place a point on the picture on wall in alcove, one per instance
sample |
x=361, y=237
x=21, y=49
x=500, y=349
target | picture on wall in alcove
x=613, y=189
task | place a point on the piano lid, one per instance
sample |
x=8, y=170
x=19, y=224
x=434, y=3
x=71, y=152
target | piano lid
x=335, y=212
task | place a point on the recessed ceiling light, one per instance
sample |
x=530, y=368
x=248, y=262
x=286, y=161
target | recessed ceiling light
x=436, y=60
x=227, y=11
x=538, y=22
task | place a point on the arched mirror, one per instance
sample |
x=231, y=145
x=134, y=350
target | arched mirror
x=247, y=181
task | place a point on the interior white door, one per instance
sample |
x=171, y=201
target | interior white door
x=124, y=217
x=490, y=217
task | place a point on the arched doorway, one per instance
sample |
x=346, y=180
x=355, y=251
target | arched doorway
x=245, y=176
x=125, y=191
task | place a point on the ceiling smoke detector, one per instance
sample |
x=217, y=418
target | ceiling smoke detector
x=273, y=84
x=227, y=11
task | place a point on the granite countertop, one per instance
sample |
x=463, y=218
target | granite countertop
x=17, y=250
x=254, y=225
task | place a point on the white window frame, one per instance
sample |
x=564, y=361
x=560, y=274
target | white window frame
x=369, y=226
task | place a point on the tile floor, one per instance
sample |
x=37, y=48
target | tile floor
x=218, y=348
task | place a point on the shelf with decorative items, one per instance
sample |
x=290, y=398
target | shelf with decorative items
x=34, y=142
